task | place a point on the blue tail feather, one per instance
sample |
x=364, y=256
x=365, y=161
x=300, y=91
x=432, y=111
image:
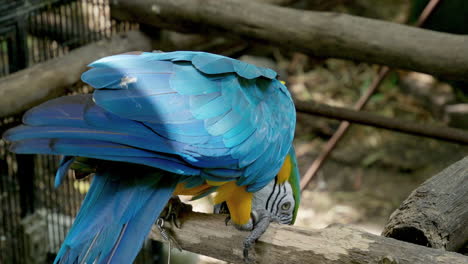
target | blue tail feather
x=64, y=165
x=117, y=214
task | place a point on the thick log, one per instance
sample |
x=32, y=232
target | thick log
x=216, y=43
x=41, y=82
x=316, y=33
x=207, y=234
x=436, y=213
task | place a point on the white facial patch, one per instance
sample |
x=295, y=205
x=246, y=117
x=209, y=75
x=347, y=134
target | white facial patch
x=278, y=199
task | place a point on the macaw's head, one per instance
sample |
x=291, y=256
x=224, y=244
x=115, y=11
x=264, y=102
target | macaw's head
x=278, y=200
x=281, y=197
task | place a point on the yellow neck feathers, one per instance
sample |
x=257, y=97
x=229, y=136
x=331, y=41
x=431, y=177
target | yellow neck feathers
x=285, y=171
x=238, y=200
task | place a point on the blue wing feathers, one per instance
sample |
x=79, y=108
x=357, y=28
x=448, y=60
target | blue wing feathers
x=193, y=128
x=140, y=141
x=61, y=111
x=224, y=124
x=201, y=115
x=49, y=146
x=213, y=108
x=238, y=138
x=200, y=100
x=189, y=81
x=208, y=117
x=193, y=181
x=210, y=65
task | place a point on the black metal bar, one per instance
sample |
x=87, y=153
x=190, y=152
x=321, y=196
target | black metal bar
x=25, y=176
x=34, y=42
x=54, y=196
x=6, y=209
x=17, y=47
x=62, y=20
x=24, y=202
x=3, y=57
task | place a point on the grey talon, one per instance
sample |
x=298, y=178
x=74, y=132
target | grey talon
x=176, y=222
x=174, y=209
x=263, y=218
x=276, y=202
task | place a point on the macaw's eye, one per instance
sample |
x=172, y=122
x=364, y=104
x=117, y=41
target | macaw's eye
x=286, y=206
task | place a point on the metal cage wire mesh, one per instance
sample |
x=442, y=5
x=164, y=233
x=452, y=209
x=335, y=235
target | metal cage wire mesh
x=34, y=216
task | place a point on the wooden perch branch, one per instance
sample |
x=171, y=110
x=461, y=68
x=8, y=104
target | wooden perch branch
x=320, y=34
x=367, y=118
x=436, y=213
x=206, y=234
x=27, y=88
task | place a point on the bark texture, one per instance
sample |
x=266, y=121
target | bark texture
x=436, y=213
x=375, y=120
x=316, y=33
x=207, y=234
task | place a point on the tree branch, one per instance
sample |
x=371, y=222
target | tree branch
x=370, y=119
x=207, y=234
x=316, y=33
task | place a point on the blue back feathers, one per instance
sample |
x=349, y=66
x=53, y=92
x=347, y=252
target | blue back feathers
x=189, y=116
x=190, y=113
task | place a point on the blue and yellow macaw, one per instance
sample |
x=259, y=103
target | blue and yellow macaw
x=164, y=124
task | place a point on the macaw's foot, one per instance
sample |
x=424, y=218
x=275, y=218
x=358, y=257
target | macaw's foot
x=174, y=209
x=258, y=224
x=222, y=209
x=261, y=221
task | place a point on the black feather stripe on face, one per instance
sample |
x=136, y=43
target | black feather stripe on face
x=273, y=199
x=275, y=185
